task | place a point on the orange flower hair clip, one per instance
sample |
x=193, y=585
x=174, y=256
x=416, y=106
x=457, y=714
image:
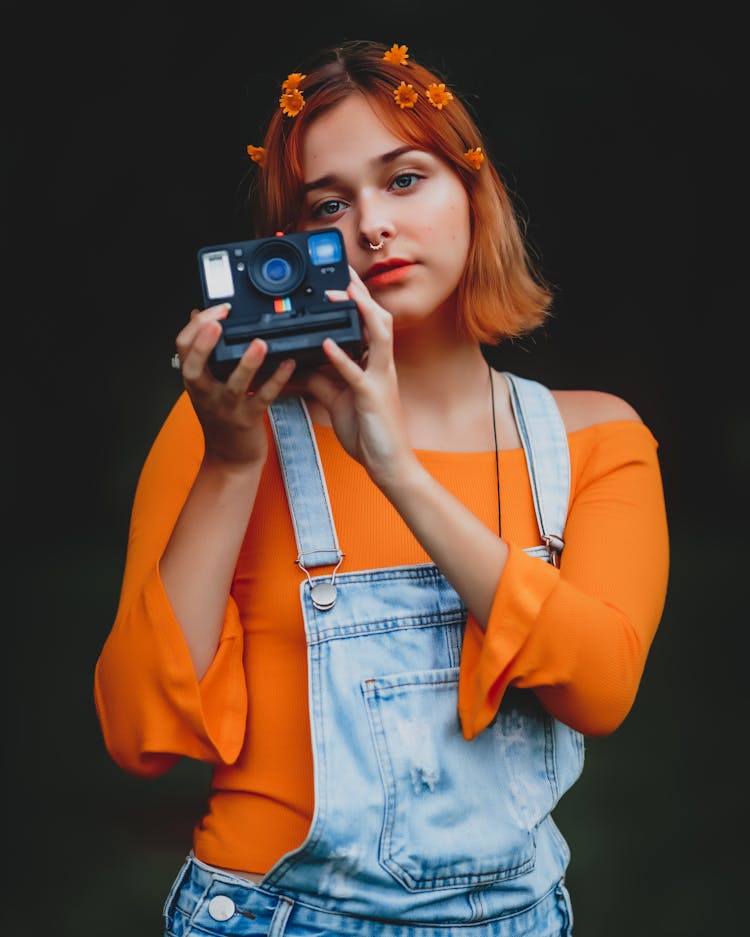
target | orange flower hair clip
x=397, y=55
x=292, y=100
x=405, y=95
x=474, y=157
x=438, y=96
x=257, y=154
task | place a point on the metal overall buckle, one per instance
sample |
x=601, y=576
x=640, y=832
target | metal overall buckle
x=322, y=594
x=554, y=546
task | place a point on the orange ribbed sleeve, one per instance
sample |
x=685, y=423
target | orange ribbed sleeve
x=151, y=708
x=579, y=636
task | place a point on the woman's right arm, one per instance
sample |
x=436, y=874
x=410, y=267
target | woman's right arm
x=169, y=680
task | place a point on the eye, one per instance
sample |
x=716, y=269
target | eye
x=329, y=208
x=406, y=180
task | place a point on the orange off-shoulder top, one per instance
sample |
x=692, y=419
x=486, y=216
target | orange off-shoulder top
x=578, y=636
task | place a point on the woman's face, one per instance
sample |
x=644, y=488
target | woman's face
x=373, y=187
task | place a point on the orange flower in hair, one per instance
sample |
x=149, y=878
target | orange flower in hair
x=474, y=157
x=438, y=96
x=257, y=154
x=293, y=81
x=291, y=102
x=397, y=55
x=405, y=95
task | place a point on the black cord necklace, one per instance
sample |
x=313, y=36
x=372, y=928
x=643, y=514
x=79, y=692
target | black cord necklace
x=497, y=457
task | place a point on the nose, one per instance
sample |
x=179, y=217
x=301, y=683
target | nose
x=376, y=225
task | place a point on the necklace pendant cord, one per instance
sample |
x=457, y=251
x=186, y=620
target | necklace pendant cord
x=497, y=457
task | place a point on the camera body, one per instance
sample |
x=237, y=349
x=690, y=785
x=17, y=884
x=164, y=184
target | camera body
x=276, y=287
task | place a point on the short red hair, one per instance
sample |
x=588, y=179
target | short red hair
x=501, y=294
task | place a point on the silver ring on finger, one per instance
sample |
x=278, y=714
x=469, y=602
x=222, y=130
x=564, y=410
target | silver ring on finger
x=176, y=363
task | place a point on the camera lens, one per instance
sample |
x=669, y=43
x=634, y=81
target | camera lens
x=277, y=267
x=276, y=270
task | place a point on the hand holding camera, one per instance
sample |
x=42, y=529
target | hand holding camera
x=277, y=290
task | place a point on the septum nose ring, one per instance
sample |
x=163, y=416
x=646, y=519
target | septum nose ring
x=375, y=247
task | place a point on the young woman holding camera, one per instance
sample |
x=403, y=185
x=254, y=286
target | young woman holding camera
x=386, y=599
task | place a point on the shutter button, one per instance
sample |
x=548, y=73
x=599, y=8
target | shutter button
x=221, y=907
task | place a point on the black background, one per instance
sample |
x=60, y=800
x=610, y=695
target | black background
x=618, y=128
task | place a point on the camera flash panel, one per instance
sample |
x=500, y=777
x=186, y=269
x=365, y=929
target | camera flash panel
x=218, y=275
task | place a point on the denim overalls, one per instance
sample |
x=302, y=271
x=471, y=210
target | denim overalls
x=415, y=829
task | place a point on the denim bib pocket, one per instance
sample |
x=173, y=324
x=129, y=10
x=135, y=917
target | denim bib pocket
x=439, y=788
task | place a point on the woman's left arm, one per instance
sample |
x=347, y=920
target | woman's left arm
x=577, y=636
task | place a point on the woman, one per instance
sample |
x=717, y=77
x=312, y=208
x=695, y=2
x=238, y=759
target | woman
x=387, y=598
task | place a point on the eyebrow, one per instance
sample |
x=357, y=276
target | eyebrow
x=383, y=160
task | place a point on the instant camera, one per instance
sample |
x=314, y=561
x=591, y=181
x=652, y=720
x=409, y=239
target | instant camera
x=276, y=287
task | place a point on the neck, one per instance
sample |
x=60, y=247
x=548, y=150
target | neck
x=442, y=384
x=437, y=369
x=444, y=388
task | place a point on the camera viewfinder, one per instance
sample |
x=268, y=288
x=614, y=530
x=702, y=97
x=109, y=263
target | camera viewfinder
x=324, y=248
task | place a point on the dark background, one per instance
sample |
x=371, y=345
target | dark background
x=618, y=129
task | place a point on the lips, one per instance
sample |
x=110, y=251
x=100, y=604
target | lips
x=387, y=272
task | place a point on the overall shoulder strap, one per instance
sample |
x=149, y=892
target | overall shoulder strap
x=306, y=490
x=545, y=445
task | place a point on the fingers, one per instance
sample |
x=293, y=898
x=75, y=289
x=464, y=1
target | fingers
x=246, y=370
x=377, y=331
x=349, y=370
x=195, y=355
x=376, y=318
x=270, y=390
x=197, y=319
x=377, y=322
x=247, y=367
x=198, y=338
x=322, y=388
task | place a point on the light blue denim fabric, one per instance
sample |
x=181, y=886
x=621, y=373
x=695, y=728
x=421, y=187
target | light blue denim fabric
x=415, y=830
x=207, y=902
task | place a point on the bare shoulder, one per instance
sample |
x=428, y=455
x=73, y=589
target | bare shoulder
x=582, y=408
